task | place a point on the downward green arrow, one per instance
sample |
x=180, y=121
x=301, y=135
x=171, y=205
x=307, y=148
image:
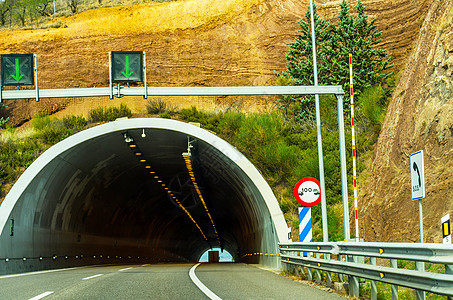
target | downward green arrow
x=18, y=76
x=127, y=74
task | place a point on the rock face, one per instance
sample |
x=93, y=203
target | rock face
x=241, y=43
x=420, y=117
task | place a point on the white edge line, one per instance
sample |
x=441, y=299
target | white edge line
x=200, y=285
x=40, y=272
x=94, y=276
x=125, y=269
x=41, y=296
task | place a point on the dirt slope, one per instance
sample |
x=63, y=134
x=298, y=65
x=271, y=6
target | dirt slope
x=189, y=43
x=419, y=118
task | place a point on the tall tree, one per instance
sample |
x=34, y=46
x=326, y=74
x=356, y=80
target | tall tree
x=299, y=69
x=334, y=42
x=5, y=8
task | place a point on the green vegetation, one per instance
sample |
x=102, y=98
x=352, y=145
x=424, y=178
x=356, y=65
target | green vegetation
x=106, y=114
x=158, y=106
x=3, y=120
x=334, y=42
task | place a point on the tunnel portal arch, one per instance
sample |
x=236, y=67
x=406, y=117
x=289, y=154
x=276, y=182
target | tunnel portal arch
x=91, y=195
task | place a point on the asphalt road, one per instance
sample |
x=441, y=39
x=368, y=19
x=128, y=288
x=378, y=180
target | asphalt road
x=157, y=281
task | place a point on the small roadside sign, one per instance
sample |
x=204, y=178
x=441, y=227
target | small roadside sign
x=417, y=175
x=446, y=230
x=17, y=69
x=127, y=66
x=308, y=191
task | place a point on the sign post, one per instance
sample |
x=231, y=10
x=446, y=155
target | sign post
x=308, y=193
x=418, y=183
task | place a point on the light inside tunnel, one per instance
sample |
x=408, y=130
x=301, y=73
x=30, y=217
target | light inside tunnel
x=92, y=196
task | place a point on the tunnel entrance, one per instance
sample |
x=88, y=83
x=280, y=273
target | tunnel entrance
x=143, y=189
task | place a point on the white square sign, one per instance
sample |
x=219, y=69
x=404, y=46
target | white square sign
x=417, y=175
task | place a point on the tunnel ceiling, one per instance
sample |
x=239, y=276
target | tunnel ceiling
x=122, y=186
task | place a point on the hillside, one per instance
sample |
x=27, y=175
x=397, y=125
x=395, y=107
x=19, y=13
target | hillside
x=188, y=43
x=419, y=117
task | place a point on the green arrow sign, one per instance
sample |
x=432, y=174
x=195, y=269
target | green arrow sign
x=127, y=66
x=127, y=74
x=17, y=69
x=18, y=76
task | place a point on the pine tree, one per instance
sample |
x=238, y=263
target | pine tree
x=299, y=69
x=334, y=42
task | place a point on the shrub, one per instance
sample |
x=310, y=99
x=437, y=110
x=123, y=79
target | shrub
x=159, y=106
x=76, y=123
x=165, y=115
x=106, y=114
x=3, y=120
x=40, y=121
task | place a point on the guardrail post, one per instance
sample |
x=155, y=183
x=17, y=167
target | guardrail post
x=449, y=270
x=373, y=282
x=329, y=274
x=340, y=276
x=394, y=264
x=309, y=274
x=353, y=280
x=420, y=266
x=318, y=271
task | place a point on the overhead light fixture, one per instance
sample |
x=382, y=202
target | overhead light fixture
x=143, y=133
x=127, y=138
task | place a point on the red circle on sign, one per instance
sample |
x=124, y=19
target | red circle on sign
x=300, y=197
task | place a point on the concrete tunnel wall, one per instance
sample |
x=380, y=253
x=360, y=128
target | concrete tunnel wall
x=89, y=199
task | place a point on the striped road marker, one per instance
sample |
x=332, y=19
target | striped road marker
x=305, y=226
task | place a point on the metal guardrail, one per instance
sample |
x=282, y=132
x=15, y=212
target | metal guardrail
x=350, y=253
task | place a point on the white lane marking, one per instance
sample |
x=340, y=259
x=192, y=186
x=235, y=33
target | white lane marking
x=200, y=285
x=125, y=269
x=94, y=276
x=145, y=265
x=41, y=296
x=40, y=272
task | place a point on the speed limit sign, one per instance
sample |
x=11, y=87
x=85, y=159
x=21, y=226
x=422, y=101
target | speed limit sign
x=308, y=191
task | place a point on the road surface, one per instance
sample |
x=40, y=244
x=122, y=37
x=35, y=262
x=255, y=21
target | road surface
x=157, y=281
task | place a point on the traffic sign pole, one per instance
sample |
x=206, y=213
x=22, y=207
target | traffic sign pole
x=35, y=57
x=144, y=76
x=418, y=184
x=110, y=75
x=420, y=218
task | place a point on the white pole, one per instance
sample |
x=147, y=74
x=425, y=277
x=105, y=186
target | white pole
x=325, y=231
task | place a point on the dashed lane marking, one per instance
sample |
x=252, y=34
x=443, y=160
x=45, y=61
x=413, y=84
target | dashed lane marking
x=91, y=277
x=41, y=296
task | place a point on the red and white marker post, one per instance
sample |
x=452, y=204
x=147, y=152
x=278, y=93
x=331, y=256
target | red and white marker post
x=354, y=166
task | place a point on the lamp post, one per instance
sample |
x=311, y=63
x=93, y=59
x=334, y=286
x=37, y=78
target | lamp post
x=325, y=231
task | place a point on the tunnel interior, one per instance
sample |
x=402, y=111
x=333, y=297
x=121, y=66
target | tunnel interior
x=130, y=192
